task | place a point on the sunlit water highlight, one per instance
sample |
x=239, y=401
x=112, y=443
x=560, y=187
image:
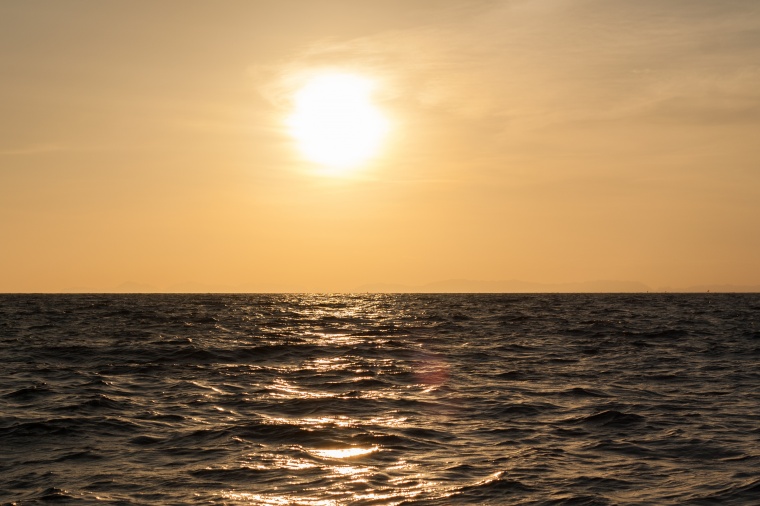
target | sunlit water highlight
x=380, y=399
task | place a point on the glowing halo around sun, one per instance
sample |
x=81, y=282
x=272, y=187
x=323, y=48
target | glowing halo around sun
x=335, y=123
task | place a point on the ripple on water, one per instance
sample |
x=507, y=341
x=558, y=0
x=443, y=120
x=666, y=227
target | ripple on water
x=379, y=399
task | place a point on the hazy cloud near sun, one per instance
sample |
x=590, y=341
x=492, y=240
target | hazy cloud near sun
x=540, y=62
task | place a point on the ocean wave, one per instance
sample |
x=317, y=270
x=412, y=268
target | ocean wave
x=379, y=399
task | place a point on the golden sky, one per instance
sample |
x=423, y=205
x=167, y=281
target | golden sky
x=552, y=141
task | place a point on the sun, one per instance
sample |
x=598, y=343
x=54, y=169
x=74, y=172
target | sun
x=335, y=123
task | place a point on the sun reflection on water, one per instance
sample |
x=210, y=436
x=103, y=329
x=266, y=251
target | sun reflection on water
x=342, y=453
x=352, y=470
x=287, y=390
x=271, y=500
x=341, y=421
x=335, y=456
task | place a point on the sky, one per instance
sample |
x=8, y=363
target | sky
x=145, y=146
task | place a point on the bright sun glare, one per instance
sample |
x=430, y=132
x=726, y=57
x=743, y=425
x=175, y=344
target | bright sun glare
x=335, y=122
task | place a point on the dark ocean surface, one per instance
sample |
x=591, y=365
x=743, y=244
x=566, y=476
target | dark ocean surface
x=380, y=399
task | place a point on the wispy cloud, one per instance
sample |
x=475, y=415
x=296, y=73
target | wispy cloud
x=541, y=62
x=47, y=148
x=33, y=150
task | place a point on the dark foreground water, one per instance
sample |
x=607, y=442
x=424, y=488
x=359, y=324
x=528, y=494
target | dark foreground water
x=380, y=399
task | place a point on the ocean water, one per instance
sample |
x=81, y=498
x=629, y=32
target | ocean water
x=380, y=399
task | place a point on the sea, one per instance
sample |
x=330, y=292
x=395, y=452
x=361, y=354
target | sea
x=380, y=399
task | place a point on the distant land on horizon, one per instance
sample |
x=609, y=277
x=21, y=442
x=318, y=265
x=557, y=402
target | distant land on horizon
x=443, y=286
x=517, y=286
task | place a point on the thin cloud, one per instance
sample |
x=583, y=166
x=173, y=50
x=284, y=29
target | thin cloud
x=550, y=61
x=41, y=149
x=34, y=150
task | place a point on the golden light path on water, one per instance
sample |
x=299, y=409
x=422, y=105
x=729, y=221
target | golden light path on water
x=351, y=466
